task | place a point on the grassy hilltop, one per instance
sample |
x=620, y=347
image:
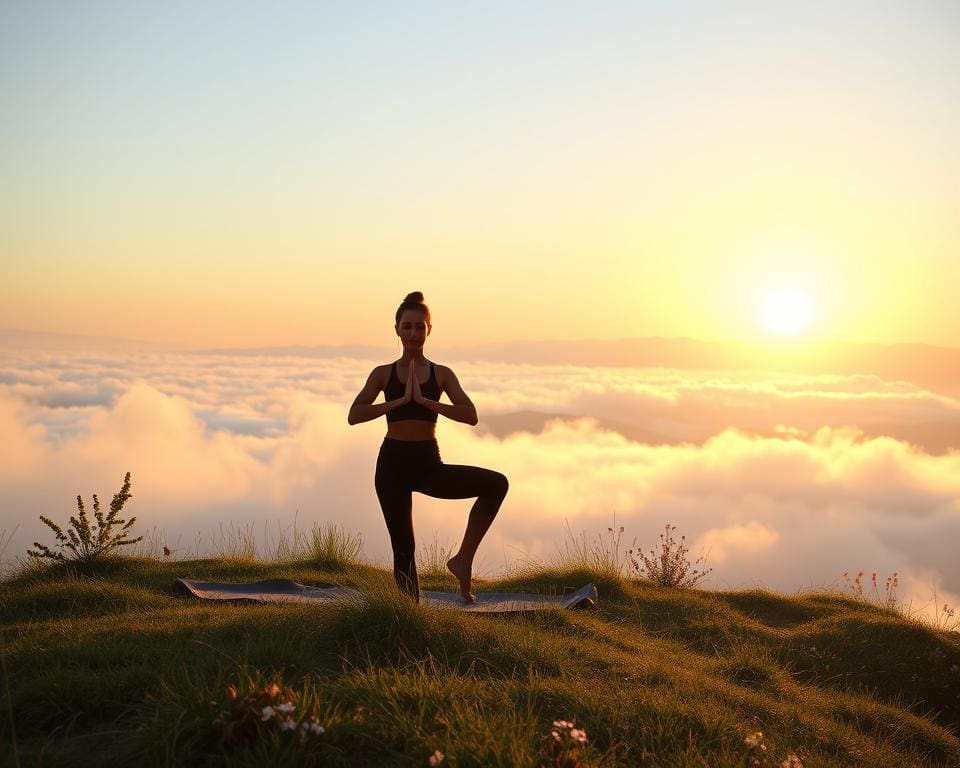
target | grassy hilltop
x=109, y=665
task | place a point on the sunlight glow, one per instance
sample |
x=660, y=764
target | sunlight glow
x=785, y=311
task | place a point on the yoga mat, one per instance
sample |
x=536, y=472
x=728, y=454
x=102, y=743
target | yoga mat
x=287, y=591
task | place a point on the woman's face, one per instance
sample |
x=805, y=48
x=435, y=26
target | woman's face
x=413, y=329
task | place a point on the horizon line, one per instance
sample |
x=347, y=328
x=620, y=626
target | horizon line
x=784, y=343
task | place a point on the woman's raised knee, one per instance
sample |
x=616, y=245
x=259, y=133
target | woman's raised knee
x=499, y=485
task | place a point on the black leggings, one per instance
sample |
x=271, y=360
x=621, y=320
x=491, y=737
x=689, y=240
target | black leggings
x=407, y=466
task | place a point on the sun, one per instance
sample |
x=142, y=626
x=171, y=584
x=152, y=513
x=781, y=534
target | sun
x=785, y=311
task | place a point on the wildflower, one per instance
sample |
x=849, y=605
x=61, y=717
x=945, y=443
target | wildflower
x=316, y=729
x=555, y=735
x=578, y=734
x=436, y=758
x=288, y=725
x=286, y=708
x=753, y=740
x=792, y=761
x=562, y=724
x=266, y=713
x=954, y=668
x=272, y=690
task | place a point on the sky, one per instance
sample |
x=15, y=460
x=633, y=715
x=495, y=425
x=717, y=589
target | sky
x=214, y=178
x=243, y=174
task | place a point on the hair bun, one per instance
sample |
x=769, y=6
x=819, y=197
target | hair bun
x=416, y=297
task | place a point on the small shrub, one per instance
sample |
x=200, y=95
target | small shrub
x=88, y=544
x=672, y=567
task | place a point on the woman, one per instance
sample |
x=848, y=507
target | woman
x=409, y=458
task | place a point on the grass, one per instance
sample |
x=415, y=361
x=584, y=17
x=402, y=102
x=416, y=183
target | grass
x=107, y=664
x=432, y=562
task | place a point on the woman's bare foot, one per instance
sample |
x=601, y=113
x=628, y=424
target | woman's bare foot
x=463, y=573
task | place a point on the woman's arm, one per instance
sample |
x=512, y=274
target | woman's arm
x=462, y=410
x=364, y=409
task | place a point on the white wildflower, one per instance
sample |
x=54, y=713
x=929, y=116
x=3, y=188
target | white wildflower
x=288, y=725
x=436, y=758
x=753, y=740
x=266, y=713
x=317, y=729
x=286, y=708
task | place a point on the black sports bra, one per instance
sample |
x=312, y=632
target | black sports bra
x=395, y=388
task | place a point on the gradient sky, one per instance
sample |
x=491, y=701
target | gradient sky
x=249, y=173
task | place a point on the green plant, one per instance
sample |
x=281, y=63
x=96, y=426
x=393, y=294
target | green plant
x=603, y=555
x=670, y=568
x=5, y=539
x=264, y=711
x=432, y=559
x=563, y=747
x=331, y=546
x=236, y=543
x=9, y=707
x=88, y=544
x=756, y=755
x=888, y=599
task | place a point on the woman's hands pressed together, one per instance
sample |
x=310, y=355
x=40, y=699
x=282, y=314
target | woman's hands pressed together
x=413, y=385
x=411, y=392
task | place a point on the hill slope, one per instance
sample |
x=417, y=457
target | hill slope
x=111, y=665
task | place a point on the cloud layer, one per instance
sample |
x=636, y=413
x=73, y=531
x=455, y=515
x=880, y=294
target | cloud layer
x=786, y=480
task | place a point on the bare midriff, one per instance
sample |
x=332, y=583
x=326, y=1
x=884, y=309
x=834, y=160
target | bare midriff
x=411, y=429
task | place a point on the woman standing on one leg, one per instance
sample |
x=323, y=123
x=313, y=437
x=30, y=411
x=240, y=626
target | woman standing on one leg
x=409, y=458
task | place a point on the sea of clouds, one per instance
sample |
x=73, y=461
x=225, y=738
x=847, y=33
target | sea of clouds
x=786, y=481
